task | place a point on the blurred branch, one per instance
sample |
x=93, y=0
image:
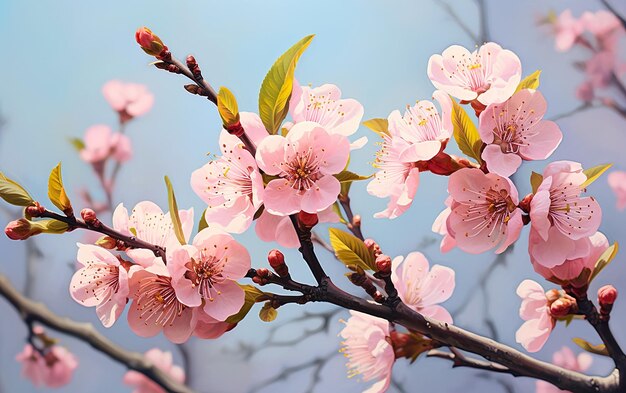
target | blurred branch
x=482, y=35
x=614, y=11
x=31, y=312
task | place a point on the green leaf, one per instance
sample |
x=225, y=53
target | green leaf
x=345, y=188
x=599, y=349
x=604, y=260
x=351, y=250
x=171, y=199
x=252, y=293
x=530, y=82
x=535, y=181
x=347, y=176
x=14, y=193
x=202, y=224
x=268, y=313
x=465, y=133
x=277, y=86
x=56, y=191
x=337, y=211
x=268, y=178
x=48, y=226
x=77, y=143
x=594, y=173
x=379, y=126
x=227, y=107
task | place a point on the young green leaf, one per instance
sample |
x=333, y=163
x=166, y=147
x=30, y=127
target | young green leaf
x=14, y=193
x=77, y=143
x=599, y=349
x=177, y=225
x=337, y=211
x=535, y=181
x=277, y=86
x=268, y=313
x=347, y=176
x=604, y=260
x=465, y=133
x=227, y=107
x=594, y=173
x=56, y=191
x=530, y=82
x=202, y=224
x=252, y=293
x=351, y=250
x=379, y=126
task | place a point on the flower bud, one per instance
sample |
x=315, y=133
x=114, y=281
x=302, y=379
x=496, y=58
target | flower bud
x=262, y=272
x=21, y=229
x=88, y=215
x=383, y=263
x=35, y=210
x=372, y=246
x=306, y=220
x=560, y=307
x=149, y=42
x=525, y=203
x=552, y=295
x=107, y=242
x=277, y=262
x=607, y=295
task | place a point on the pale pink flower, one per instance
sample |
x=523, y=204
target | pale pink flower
x=568, y=257
x=567, y=30
x=600, y=68
x=101, y=282
x=567, y=359
x=490, y=74
x=147, y=222
x=617, y=182
x=304, y=162
x=423, y=289
x=515, y=131
x=440, y=226
x=231, y=185
x=605, y=27
x=484, y=211
x=206, y=273
x=156, y=308
x=132, y=99
x=54, y=369
x=101, y=143
x=161, y=360
x=557, y=207
x=369, y=352
x=533, y=333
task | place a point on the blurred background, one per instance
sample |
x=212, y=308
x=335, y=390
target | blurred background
x=56, y=56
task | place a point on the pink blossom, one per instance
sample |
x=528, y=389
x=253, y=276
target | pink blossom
x=514, y=131
x=617, y=182
x=440, y=227
x=101, y=143
x=421, y=289
x=231, y=185
x=101, y=282
x=558, y=212
x=605, y=27
x=567, y=29
x=533, y=333
x=156, y=308
x=54, y=369
x=578, y=255
x=163, y=361
x=205, y=273
x=585, y=91
x=148, y=223
x=132, y=99
x=484, y=211
x=490, y=74
x=600, y=68
x=209, y=328
x=304, y=162
x=370, y=355
x=567, y=359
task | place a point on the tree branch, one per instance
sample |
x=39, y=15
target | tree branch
x=460, y=360
x=614, y=11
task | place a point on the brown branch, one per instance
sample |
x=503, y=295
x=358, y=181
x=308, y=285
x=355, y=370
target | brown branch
x=354, y=225
x=614, y=12
x=200, y=81
x=37, y=312
x=460, y=360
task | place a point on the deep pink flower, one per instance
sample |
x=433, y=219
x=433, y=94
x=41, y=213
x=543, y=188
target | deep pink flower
x=567, y=359
x=131, y=98
x=54, y=369
x=156, y=308
x=148, y=223
x=369, y=352
x=270, y=227
x=617, y=182
x=163, y=361
x=231, y=185
x=514, y=131
x=423, y=289
x=567, y=30
x=101, y=143
x=484, y=211
x=533, y=333
x=490, y=74
x=304, y=162
x=440, y=226
x=206, y=273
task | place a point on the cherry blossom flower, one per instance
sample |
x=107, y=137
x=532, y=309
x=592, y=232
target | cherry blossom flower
x=484, y=211
x=421, y=289
x=514, y=131
x=129, y=99
x=567, y=30
x=101, y=143
x=605, y=27
x=101, y=282
x=304, y=162
x=148, y=223
x=533, y=333
x=567, y=359
x=156, y=308
x=163, y=361
x=53, y=369
x=206, y=273
x=369, y=352
x=231, y=185
x=617, y=182
x=490, y=74
x=440, y=226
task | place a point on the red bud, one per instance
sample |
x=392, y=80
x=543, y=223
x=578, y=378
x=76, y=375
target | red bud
x=383, y=263
x=20, y=229
x=607, y=295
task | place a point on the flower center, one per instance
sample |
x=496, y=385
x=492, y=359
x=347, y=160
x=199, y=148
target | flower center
x=157, y=301
x=303, y=170
x=204, y=274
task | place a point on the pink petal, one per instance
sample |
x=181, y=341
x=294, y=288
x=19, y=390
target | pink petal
x=281, y=199
x=504, y=164
x=270, y=154
x=322, y=195
x=228, y=302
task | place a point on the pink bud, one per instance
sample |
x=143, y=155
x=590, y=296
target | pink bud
x=307, y=220
x=20, y=229
x=107, y=242
x=560, y=307
x=383, y=263
x=552, y=295
x=607, y=295
x=34, y=211
x=88, y=215
x=277, y=262
x=149, y=42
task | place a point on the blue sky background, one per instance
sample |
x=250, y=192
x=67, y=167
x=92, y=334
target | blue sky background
x=57, y=55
